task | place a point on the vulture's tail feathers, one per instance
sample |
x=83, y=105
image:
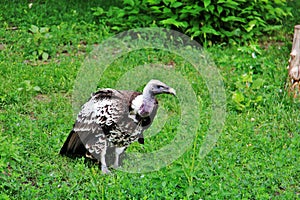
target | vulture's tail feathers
x=73, y=146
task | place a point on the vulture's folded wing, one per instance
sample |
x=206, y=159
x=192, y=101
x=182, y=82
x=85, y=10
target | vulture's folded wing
x=105, y=117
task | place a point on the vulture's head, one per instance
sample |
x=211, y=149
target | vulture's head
x=152, y=88
x=155, y=87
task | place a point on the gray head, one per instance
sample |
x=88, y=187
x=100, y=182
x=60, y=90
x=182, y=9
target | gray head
x=155, y=87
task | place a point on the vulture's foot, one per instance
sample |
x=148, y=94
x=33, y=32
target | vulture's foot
x=105, y=170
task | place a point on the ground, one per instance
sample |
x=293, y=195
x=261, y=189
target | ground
x=256, y=156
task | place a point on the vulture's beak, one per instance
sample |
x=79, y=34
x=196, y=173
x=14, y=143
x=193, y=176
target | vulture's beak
x=172, y=91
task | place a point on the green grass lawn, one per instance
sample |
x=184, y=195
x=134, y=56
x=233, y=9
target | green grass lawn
x=257, y=155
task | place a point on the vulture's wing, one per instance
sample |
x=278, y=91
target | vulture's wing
x=106, y=116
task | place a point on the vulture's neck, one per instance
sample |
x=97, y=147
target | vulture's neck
x=144, y=104
x=147, y=105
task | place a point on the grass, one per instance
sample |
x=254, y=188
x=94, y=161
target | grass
x=256, y=157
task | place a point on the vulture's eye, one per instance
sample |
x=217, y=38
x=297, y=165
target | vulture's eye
x=160, y=87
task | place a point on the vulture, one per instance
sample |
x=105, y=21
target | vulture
x=113, y=119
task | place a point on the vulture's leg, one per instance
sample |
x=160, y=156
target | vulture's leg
x=104, y=168
x=118, y=151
